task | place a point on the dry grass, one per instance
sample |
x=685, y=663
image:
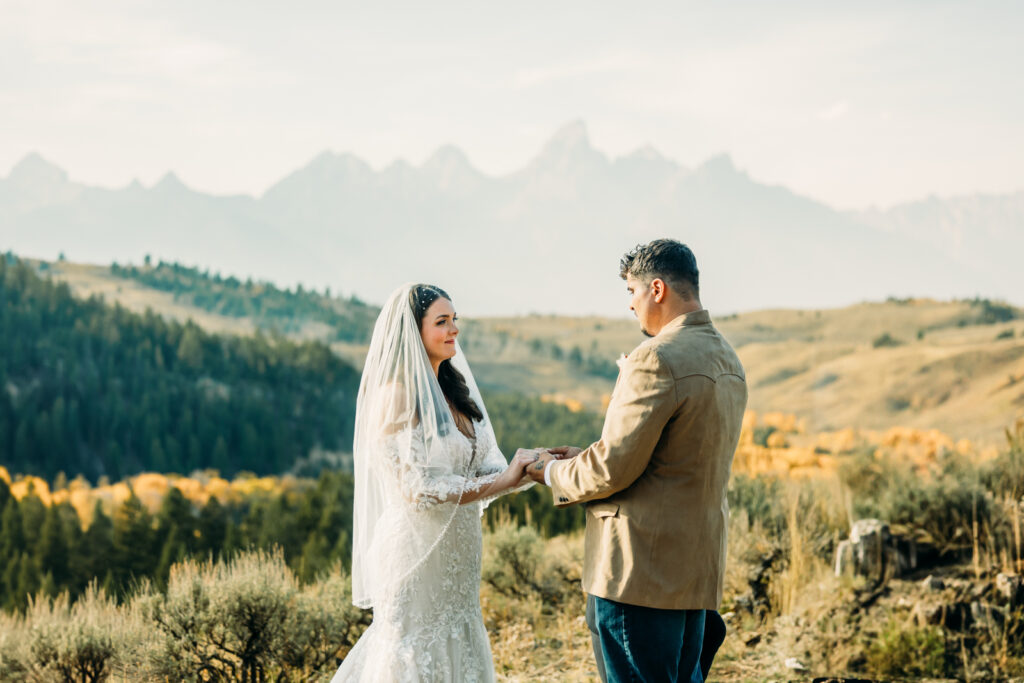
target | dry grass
x=88, y=280
x=961, y=379
x=541, y=635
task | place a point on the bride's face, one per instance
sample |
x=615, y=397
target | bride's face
x=438, y=331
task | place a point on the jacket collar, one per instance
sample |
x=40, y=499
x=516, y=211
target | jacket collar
x=700, y=317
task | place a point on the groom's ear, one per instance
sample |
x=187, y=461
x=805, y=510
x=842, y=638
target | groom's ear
x=658, y=290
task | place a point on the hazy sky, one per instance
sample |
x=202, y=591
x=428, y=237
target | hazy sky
x=853, y=103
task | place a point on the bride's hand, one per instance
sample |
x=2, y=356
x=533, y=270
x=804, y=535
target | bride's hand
x=517, y=468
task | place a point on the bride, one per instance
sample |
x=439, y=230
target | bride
x=426, y=464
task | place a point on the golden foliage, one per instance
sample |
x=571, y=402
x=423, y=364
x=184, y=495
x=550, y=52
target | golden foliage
x=789, y=451
x=30, y=484
x=574, y=405
x=151, y=488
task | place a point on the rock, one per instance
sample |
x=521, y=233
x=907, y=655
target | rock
x=933, y=583
x=874, y=552
x=986, y=616
x=757, y=600
x=980, y=590
x=956, y=616
x=1011, y=588
x=927, y=613
x=794, y=664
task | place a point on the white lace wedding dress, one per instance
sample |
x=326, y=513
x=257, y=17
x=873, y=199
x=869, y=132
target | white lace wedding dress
x=427, y=626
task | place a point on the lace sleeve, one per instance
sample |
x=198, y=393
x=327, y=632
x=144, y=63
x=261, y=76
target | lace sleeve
x=493, y=463
x=422, y=484
x=491, y=460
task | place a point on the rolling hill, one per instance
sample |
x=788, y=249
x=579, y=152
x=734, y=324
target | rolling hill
x=957, y=366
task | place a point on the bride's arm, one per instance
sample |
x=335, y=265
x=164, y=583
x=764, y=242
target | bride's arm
x=492, y=460
x=495, y=484
x=425, y=486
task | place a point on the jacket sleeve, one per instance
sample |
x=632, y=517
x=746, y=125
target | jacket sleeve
x=643, y=402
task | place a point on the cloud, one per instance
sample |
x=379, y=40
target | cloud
x=834, y=111
x=114, y=42
x=545, y=75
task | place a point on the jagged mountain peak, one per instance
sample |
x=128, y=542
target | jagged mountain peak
x=567, y=152
x=719, y=164
x=448, y=159
x=573, y=134
x=328, y=161
x=646, y=153
x=647, y=160
x=34, y=170
x=450, y=169
x=170, y=182
x=324, y=173
x=572, y=138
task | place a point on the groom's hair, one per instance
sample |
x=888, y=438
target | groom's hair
x=668, y=260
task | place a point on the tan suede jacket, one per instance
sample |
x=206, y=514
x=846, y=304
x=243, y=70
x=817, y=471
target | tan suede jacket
x=655, y=484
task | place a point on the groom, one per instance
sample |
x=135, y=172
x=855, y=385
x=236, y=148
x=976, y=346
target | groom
x=655, y=484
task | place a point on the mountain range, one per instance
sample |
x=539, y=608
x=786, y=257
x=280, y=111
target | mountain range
x=546, y=238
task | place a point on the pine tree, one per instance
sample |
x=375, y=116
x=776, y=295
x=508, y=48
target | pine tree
x=78, y=551
x=173, y=551
x=176, y=513
x=48, y=586
x=99, y=539
x=314, y=558
x=213, y=524
x=233, y=541
x=157, y=458
x=12, y=536
x=342, y=550
x=52, y=549
x=132, y=542
x=109, y=584
x=219, y=459
x=28, y=581
x=5, y=490
x=118, y=391
x=23, y=451
x=114, y=460
x=190, y=349
x=10, y=581
x=33, y=514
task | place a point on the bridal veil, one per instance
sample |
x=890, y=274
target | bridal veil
x=403, y=454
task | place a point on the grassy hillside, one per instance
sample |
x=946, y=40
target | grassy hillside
x=93, y=389
x=956, y=366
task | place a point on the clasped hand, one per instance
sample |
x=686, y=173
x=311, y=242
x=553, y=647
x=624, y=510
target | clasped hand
x=535, y=460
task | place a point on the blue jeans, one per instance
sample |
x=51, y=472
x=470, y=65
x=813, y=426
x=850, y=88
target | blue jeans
x=648, y=644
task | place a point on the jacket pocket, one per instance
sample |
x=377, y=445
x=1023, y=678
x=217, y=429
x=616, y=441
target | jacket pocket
x=600, y=510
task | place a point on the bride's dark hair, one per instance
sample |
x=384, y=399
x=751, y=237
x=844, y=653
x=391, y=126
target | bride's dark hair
x=453, y=384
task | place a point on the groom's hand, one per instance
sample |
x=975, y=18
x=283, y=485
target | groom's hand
x=536, y=469
x=565, y=452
